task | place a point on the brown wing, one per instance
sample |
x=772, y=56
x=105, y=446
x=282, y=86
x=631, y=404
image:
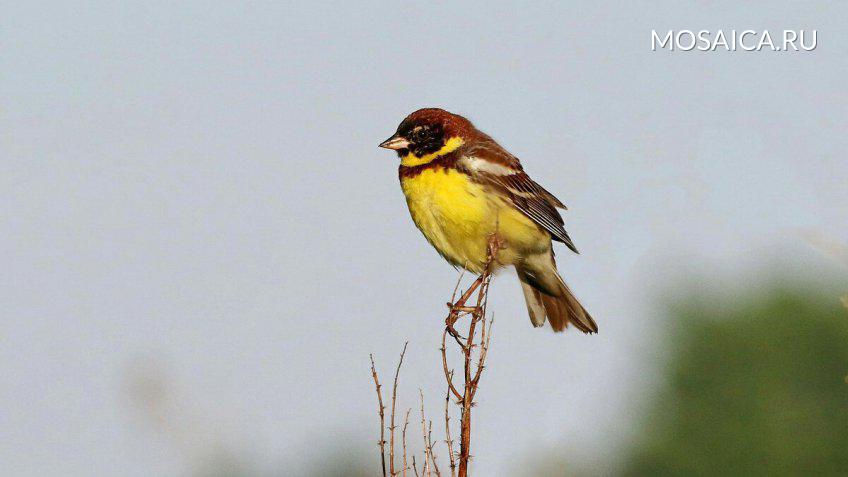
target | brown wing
x=490, y=164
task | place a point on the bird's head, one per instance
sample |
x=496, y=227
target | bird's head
x=427, y=134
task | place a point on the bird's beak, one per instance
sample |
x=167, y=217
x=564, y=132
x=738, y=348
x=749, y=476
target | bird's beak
x=395, y=142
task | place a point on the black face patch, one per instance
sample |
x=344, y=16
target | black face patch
x=424, y=138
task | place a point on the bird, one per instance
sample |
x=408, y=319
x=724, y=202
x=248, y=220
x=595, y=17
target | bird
x=462, y=189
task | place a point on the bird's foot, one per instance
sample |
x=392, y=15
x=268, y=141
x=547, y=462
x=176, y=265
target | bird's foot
x=449, y=322
x=455, y=334
x=495, y=244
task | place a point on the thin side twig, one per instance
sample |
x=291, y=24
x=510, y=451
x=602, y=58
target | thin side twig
x=433, y=458
x=426, y=468
x=403, y=439
x=448, y=373
x=458, y=282
x=381, y=410
x=392, y=420
x=485, y=339
x=448, y=440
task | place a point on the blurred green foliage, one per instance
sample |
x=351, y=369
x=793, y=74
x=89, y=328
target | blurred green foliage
x=752, y=387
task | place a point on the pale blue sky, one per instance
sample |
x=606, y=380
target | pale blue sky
x=193, y=190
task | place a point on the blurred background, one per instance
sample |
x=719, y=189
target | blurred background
x=202, y=244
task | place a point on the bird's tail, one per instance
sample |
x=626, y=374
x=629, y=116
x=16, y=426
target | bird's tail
x=547, y=295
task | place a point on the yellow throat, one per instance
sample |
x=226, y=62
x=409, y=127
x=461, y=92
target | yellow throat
x=451, y=145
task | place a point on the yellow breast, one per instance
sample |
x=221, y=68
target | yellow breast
x=452, y=212
x=457, y=216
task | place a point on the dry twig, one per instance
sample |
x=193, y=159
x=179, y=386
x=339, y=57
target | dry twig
x=392, y=419
x=430, y=444
x=463, y=393
x=448, y=440
x=426, y=468
x=403, y=439
x=381, y=408
x=471, y=373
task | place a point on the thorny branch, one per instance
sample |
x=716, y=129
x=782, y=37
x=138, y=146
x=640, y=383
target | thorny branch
x=429, y=445
x=426, y=469
x=392, y=420
x=471, y=374
x=381, y=410
x=462, y=393
x=448, y=440
x=403, y=439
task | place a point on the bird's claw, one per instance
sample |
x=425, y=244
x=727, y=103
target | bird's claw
x=452, y=331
